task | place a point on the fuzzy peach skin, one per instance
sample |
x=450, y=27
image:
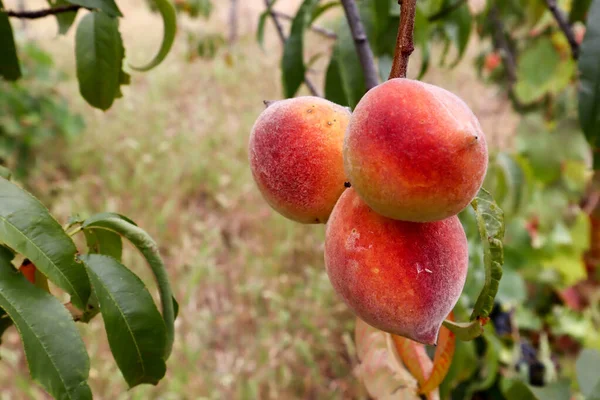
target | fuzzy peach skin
x=399, y=277
x=414, y=151
x=296, y=157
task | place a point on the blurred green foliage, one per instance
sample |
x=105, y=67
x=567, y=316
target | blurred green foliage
x=33, y=111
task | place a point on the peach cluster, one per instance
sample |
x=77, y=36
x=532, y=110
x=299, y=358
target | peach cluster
x=388, y=180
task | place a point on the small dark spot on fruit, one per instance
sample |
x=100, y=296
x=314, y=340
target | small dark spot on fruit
x=347, y=184
x=317, y=219
x=353, y=230
x=329, y=123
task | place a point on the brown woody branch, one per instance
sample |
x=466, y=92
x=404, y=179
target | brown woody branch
x=365, y=54
x=405, y=42
x=565, y=26
x=43, y=13
x=309, y=84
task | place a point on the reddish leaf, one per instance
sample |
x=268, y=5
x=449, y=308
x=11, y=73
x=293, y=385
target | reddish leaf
x=442, y=359
x=414, y=357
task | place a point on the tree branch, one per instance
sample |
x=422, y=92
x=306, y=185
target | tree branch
x=43, y=13
x=405, y=42
x=564, y=25
x=315, y=28
x=311, y=87
x=365, y=54
x=446, y=10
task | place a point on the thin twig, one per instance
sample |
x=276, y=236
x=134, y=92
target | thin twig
x=446, y=10
x=405, y=42
x=315, y=28
x=311, y=86
x=42, y=13
x=365, y=54
x=508, y=59
x=564, y=25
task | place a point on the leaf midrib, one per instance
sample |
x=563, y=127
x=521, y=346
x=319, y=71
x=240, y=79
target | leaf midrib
x=125, y=319
x=16, y=229
x=66, y=388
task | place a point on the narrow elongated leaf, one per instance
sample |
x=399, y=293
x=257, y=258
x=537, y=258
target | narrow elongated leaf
x=10, y=68
x=101, y=241
x=414, y=357
x=323, y=8
x=491, y=366
x=589, y=77
x=465, y=331
x=107, y=6
x=64, y=19
x=55, y=352
x=144, y=243
x=28, y=228
x=490, y=220
x=579, y=10
x=345, y=82
x=135, y=329
x=167, y=12
x=260, y=31
x=444, y=352
x=457, y=28
x=292, y=62
x=99, y=55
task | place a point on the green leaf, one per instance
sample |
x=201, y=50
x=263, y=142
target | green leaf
x=175, y=308
x=9, y=62
x=587, y=371
x=99, y=56
x=260, y=31
x=491, y=365
x=321, y=9
x=490, y=220
x=579, y=10
x=344, y=83
x=169, y=17
x=64, y=19
x=457, y=28
x=517, y=389
x=146, y=245
x=134, y=327
x=28, y=228
x=292, y=63
x=55, y=352
x=101, y=241
x=589, y=77
x=107, y=6
x=421, y=38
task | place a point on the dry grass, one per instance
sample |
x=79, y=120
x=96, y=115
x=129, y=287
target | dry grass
x=258, y=317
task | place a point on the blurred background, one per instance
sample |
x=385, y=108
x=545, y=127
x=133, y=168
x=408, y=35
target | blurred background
x=258, y=316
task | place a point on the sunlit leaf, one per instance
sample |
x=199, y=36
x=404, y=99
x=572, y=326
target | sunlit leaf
x=587, y=371
x=444, y=353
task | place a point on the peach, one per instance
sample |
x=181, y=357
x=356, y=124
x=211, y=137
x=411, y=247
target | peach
x=296, y=157
x=414, y=151
x=400, y=277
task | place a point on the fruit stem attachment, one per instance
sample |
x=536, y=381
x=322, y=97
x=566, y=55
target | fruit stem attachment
x=405, y=42
x=361, y=42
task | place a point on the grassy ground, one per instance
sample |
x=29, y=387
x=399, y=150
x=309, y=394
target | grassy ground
x=258, y=317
